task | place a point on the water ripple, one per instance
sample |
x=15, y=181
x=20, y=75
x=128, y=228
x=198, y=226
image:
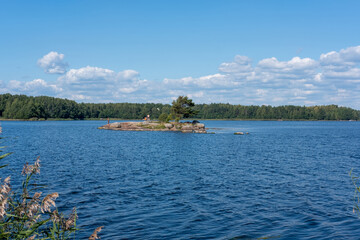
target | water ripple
x=286, y=180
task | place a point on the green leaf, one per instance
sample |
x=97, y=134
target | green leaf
x=33, y=228
x=5, y=155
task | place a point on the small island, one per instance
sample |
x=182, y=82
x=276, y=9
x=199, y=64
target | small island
x=186, y=127
x=181, y=108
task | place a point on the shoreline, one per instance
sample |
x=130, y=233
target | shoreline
x=190, y=119
x=156, y=126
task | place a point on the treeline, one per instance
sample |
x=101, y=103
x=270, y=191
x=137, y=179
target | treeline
x=43, y=107
x=27, y=107
x=288, y=112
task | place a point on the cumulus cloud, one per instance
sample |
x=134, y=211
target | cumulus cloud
x=95, y=82
x=268, y=82
x=294, y=65
x=53, y=63
x=341, y=69
x=271, y=81
x=352, y=73
x=349, y=56
x=34, y=87
x=241, y=64
x=209, y=81
x=334, y=78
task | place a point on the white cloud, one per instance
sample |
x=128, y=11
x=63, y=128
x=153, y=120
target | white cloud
x=341, y=68
x=100, y=83
x=295, y=64
x=240, y=64
x=209, y=81
x=352, y=73
x=34, y=87
x=87, y=75
x=332, y=79
x=53, y=63
x=342, y=60
x=38, y=84
x=296, y=81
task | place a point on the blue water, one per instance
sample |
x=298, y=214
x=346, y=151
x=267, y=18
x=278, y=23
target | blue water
x=285, y=179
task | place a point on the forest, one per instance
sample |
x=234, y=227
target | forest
x=44, y=107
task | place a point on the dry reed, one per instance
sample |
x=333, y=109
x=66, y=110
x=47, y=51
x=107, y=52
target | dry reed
x=24, y=217
x=94, y=235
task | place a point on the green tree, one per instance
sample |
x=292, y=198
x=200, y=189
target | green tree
x=169, y=117
x=163, y=117
x=25, y=107
x=182, y=107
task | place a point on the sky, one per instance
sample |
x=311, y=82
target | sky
x=247, y=52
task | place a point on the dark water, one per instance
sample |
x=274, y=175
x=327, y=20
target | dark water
x=286, y=179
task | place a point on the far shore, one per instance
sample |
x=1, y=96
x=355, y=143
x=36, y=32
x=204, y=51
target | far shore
x=190, y=119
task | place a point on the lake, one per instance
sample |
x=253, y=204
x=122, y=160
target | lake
x=288, y=180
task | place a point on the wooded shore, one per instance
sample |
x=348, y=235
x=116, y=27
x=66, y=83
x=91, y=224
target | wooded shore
x=43, y=107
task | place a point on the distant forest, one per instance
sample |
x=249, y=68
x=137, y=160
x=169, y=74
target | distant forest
x=43, y=107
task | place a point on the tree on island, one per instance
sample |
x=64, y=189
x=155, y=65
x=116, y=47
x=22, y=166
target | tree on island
x=163, y=117
x=182, y=107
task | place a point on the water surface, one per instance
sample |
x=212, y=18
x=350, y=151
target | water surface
x=284, y=179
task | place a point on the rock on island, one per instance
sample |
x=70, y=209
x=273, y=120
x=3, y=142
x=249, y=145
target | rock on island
x=187, y=127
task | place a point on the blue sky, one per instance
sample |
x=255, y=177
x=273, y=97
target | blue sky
x=241, y=52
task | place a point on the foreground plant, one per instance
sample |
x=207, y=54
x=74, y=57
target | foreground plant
x=355, y=180
x=28, y=215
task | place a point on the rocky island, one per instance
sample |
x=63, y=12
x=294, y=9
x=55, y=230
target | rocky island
x=181, y=108
x=186, y=127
